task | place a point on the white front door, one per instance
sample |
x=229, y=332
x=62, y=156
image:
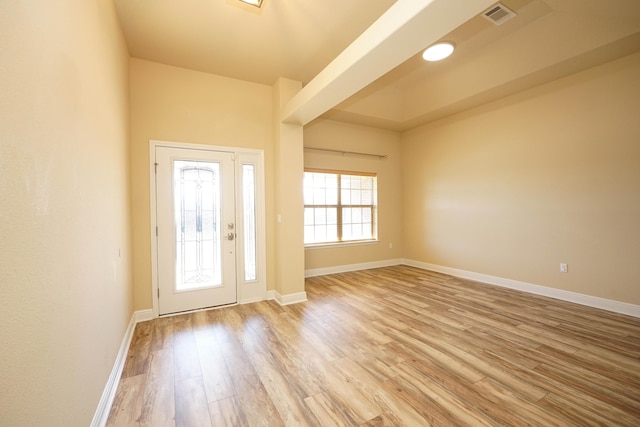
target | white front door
x=196, y=229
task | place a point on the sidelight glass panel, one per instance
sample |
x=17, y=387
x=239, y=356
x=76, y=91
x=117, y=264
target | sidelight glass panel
x=196, y=187
x=249, y=216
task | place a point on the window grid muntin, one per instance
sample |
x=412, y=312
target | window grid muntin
x=358, y=184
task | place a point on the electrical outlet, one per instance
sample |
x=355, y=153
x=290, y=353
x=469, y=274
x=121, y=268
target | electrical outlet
x=564, y=268
x=390, y=245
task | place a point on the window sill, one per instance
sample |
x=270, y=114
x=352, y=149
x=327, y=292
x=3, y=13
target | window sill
x=341, y=244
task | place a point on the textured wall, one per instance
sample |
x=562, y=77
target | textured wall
x=64, y=216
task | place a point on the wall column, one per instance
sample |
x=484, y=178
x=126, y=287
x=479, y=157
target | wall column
x=289, y=168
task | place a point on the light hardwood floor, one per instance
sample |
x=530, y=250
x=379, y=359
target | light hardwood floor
x=386, y=347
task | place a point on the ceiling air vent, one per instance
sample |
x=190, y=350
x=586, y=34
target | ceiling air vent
x=499, y=14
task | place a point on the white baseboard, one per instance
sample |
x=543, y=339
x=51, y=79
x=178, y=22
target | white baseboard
x=287, y=299
x=351, y=267
x=251, y=300
x=143, y=315
x=108, y=394
x=582, y=299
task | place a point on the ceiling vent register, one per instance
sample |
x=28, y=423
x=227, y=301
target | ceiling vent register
x=499, y=14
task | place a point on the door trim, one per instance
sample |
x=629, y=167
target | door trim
x=246, y=292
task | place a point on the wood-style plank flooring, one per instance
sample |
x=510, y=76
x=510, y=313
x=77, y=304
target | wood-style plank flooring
x=392, y=346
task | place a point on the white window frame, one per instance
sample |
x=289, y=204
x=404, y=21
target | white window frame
x=339, y=206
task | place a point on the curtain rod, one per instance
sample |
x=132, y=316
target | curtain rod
x=355, y=153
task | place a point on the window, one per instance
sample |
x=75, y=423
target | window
x=339, y=206
x=249, y=216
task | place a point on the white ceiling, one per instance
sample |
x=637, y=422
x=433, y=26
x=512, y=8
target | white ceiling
x=297, y=39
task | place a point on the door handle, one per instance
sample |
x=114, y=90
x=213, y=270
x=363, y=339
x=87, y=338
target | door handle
x=231, y=236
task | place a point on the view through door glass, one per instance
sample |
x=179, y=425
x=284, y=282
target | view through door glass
x=197, y=220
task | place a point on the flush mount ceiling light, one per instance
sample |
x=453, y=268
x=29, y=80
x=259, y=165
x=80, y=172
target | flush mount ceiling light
x=438, y=51
x=256, y=3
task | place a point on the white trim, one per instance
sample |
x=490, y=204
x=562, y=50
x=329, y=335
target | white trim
x=351, y=267
x=312, y=246
x=109, y=393
x=251, y=300
x=289, y=298
x=143, y=315
x=205, y=147
x=153, y=223
x=217, y=307
x=574, y=297
x=270, y=295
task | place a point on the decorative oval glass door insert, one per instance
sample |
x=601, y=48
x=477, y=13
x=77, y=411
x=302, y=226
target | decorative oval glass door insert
x=197, y=224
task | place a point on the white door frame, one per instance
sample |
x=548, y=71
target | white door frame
x=247, y=291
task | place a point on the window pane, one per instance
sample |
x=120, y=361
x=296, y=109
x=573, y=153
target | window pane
x=346, y=181
x=366, y=197
x=366, y=215
x=319, y=196
x=309, y=216
x=332, y=216
x=207, y=225
x=346, y=215
x=309, y=234
x=356, y=182
x=320, y=216
x=356, y=215
x=196, y=187
x=249, y=225
x=321, y=233
x=308, y=196
x=331, y=180
x=332, y=196
x=355, y=197
x=308, y=188
x=346, y=196
x=332, y=233
x=346, y=232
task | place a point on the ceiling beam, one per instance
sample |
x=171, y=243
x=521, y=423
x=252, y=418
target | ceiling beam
x=404, y=30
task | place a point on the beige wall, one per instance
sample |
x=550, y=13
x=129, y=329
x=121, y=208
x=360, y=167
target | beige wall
x=516, y=187
x=64, y=216
x=176, y=104
x=348, y=137
x=289, y=230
